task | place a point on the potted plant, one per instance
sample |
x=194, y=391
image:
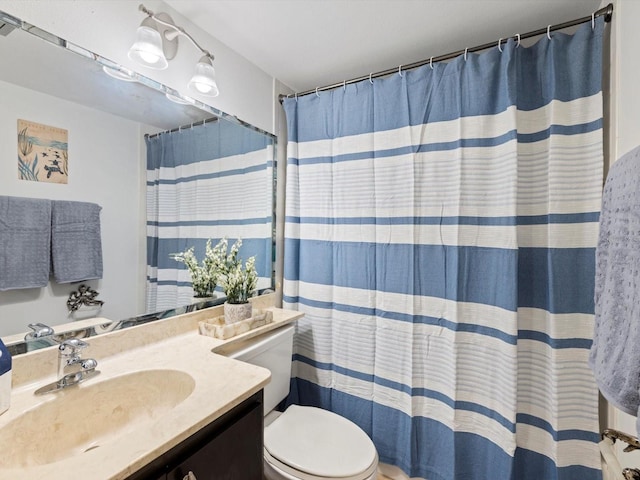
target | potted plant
x=238, y=283
x=204, y=276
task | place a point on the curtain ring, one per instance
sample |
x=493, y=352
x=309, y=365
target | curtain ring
x=191, y=125
x=344, y=85
x=518, y=35
x=549, y=32
x=593, y=21
x=400, y=71
x=431, y=63
x=180, y=129
x=499, y=47
x=465, y=53
x=296, y=97
x=317, y=95
x=370, y=81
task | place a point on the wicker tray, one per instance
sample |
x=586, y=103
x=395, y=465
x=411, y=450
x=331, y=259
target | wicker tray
x=216, y=327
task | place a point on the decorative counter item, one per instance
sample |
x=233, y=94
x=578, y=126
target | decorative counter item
x=203, y=276
x=237, y=282
x=236, y=312
x=218, y=327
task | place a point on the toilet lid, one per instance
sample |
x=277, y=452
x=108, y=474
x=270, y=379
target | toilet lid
x=319, y=442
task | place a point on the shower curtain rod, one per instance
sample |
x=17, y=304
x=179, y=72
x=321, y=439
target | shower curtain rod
x=183, y=127
x=606, y=11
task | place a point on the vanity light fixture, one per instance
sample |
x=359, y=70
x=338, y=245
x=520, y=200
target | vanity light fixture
x=204, y=79
x=157, y=43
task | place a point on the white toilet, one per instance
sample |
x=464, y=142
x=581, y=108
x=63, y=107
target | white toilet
x=303, y=443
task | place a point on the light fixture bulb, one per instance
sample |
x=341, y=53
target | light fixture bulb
x=147, y=50
x=204, y=78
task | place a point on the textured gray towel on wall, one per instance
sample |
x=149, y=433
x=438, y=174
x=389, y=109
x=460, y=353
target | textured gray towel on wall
x=25, y=236
x=76, y=244
x=615, y=353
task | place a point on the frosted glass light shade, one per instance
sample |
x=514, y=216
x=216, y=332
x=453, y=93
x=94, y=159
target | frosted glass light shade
x=147, y=50
x=204, y=79
x=118, y=74
x=178, y=100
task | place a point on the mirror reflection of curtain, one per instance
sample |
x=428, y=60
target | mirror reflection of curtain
x=207, y=181
x=440, y=238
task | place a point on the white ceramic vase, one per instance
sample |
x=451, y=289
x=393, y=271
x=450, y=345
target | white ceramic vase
x=235, y=312
x=199, y=299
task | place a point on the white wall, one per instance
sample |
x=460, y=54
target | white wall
x=105, y=167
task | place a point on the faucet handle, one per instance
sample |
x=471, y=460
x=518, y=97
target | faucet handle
x=72, y=346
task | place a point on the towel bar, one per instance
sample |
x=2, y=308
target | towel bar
x=631, y=441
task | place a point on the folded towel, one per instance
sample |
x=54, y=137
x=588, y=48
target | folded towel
x=25, y=236
x=76, y=245
x=615, y=353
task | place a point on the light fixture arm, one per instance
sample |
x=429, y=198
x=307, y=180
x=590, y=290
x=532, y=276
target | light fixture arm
x=177, y=31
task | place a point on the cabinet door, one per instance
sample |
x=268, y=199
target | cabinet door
x=234, y=454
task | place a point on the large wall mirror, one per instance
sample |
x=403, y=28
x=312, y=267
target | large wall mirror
x=111, y=126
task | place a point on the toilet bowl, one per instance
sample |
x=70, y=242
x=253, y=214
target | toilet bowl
x=303, y=443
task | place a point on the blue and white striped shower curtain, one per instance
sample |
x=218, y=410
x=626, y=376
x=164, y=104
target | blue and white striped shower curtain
x=208, y=181
x=440, y=237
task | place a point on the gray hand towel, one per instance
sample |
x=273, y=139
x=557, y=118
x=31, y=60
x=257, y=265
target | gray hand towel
x=25, y=235
x=615, y=353
x=76, y=244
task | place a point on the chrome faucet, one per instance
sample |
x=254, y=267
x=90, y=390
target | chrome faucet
x=69, y=360
x=72, y=368
x=39, y=330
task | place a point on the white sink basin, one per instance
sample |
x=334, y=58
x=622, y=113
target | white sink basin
x=84, y=417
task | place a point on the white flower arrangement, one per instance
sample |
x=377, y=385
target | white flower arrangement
x=238, y=283
x=204, y=277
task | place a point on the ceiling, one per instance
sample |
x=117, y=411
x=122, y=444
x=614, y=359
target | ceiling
x=311, y=43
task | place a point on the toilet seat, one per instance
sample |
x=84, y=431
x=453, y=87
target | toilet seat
x=310, y=443
x=284, y=471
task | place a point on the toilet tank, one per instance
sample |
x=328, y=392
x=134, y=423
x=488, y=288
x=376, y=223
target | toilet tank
x=273, y=351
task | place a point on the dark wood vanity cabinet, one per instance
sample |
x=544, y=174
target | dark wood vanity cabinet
x=230, y=448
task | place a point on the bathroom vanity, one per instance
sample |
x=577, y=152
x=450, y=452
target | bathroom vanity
x=165, y=404
x=229, y=447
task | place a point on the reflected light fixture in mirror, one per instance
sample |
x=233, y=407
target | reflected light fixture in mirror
x=178, y=100
x=118, y=74
x=157, y=43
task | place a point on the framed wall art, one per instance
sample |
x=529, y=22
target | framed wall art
x=42, y=153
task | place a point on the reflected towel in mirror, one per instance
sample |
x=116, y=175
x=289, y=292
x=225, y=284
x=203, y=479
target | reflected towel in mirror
x=76, y=244
x=25, y=235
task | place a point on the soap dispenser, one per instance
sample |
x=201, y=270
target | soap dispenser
x=5, y=378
